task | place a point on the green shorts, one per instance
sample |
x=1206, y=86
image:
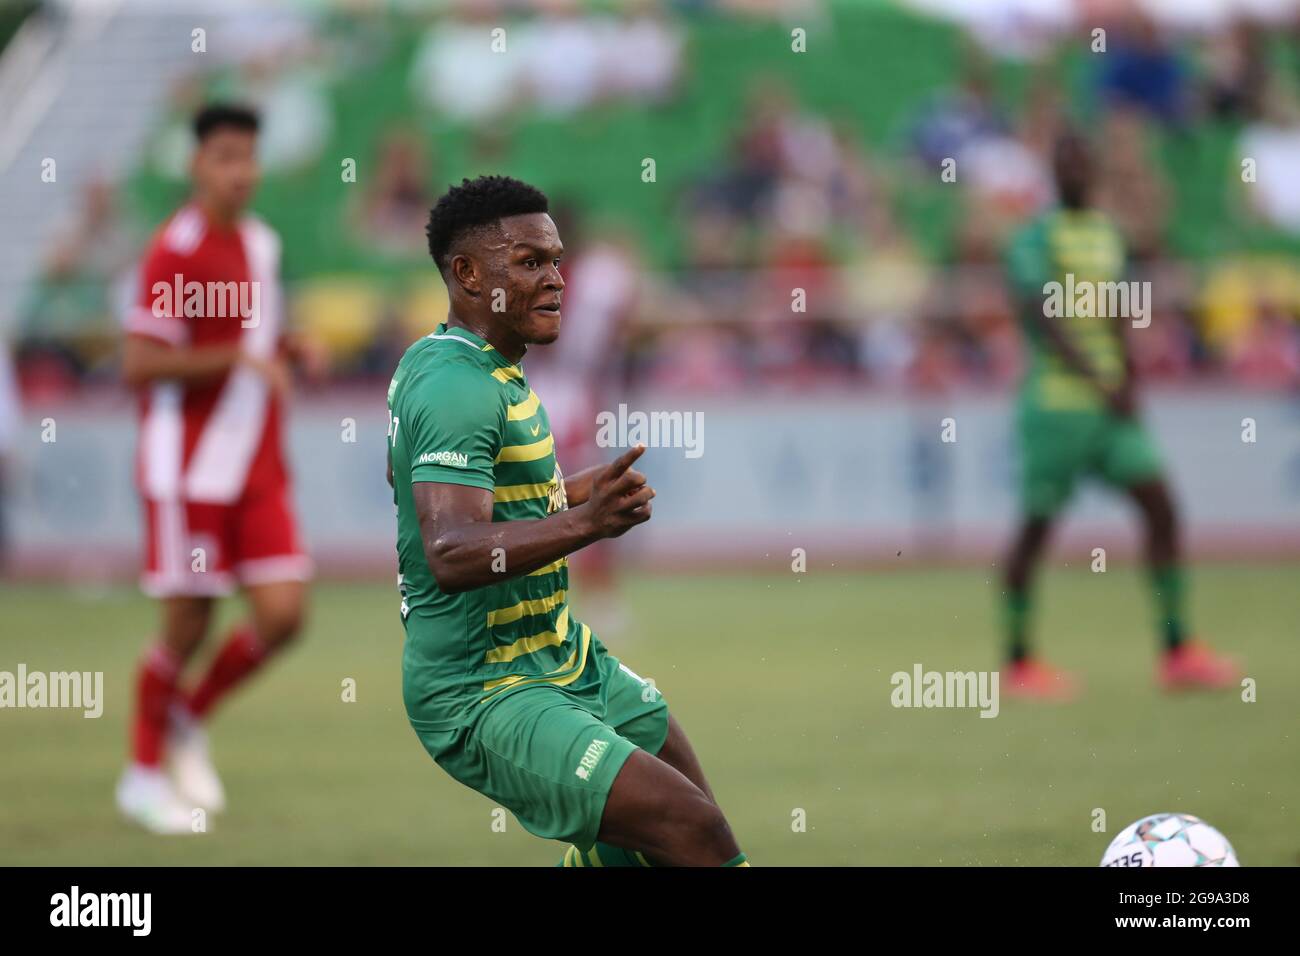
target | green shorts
x=1059, y=447
x=550, y=756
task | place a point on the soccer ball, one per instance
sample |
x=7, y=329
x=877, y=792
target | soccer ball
x=1170, y=839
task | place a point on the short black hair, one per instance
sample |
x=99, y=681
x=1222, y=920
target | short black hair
x=474, y=203
x=217, y=116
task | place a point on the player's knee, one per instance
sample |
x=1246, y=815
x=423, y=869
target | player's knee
x=1159, y=511
x=281, y=626
x=183, y=641
x=184, y=627
x=696, y=824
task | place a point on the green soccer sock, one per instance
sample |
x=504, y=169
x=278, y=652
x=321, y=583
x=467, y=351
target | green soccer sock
x=1015, y=609
x=738, y=861
x=602, y=854
x=1168, y=586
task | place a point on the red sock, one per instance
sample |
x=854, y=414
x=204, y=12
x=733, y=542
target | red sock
x=155, y=689
x=242, y=654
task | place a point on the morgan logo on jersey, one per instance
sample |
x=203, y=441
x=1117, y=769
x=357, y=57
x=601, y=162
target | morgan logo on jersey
x=454, y=459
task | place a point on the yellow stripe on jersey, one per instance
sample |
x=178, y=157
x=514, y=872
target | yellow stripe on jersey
x=529, y=452
x=507, y=373
x=508, y=615
x=576, y=662
x=549, y=568
x=525, y=409
x=522, y=492
x=535, y=642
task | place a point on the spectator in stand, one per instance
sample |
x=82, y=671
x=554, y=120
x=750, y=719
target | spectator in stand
x=1140, y=70
x=1272, y=144
x=957, y=118
x=1269, y=354
x=395, y=198
x=1236, y=66
x=68, y=320
x=1131, y=186
x=458, y=74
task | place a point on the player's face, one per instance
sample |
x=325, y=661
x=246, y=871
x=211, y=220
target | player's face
x=526, y=267
x=225, y=168
x=1072, y=165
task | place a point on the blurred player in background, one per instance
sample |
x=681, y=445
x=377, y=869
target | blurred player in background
x=205, y=351
x=508, y=692
x=1077, y=417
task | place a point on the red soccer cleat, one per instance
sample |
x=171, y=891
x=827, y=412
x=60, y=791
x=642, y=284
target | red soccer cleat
x=1194, y=666
x=1038, y=680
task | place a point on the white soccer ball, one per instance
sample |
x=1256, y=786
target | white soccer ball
x=1170, y=839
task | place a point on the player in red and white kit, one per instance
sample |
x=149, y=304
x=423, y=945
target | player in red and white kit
x=204, y=349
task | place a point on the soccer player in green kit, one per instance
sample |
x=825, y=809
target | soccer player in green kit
x=1076, y=417
x=509, y=693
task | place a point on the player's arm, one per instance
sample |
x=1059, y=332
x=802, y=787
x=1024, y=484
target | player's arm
x=1054, y=335
x=146, y=360
x=461, y=541
x=577, y=486
x=1123, y=401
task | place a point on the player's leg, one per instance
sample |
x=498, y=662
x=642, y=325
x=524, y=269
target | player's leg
x=1132, y=462
x=1053, y=449
x=276, y=613
x=1021, y=563
x=185, y=622
x=186, y=567
x=145, y=794
x=654, y=809
x=542, y=753
x=636, y=710
x=1163, y=558
x=269, y=563
x=678, y=753
x=1184, y=663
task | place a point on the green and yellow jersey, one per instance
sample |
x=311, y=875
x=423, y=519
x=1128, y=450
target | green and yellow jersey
x=461, y=413
x=1067, y=247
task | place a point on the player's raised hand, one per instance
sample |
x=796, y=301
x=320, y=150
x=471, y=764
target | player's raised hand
x=620, y=497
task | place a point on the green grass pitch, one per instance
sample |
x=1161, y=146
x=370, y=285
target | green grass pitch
x=782, y=682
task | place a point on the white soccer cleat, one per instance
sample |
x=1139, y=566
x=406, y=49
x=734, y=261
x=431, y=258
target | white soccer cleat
x=187, y=753
x=145, y=796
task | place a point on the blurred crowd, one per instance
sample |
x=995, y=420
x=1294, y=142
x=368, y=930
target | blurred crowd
x=799, y=263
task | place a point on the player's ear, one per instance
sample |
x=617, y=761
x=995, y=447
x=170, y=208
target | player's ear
x=465, y=271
